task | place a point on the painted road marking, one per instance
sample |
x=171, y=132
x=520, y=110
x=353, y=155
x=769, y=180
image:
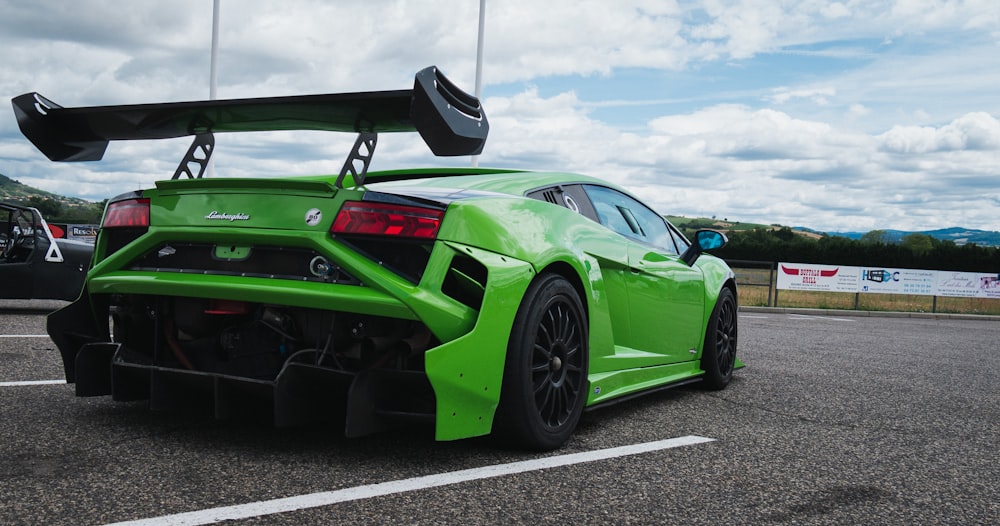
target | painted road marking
x=326, y=498
x=24, y=335
x=32, y=382
x=831, y=318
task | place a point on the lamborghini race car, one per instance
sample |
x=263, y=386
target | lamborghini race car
x=478, y=300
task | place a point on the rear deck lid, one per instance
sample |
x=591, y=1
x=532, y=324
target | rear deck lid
x=247, y=203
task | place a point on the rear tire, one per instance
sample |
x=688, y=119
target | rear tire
x=719, y=356
x=545, y=377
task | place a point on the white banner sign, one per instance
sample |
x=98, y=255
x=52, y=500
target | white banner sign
x=881, y=280
x=967, y=285
x=897, y=281
x=828, y=278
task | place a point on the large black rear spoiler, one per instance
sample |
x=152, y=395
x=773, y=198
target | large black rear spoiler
x=449, y=120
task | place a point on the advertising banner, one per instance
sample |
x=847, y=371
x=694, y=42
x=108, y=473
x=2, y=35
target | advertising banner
x=967, y=285
x=825, y=278
x=881, y=280
x=897, y=281
x=86, y=233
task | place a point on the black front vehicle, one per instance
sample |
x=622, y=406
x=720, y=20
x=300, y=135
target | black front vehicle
x=34, y=264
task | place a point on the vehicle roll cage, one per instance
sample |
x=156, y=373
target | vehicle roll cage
x=450, y=121
x=53, y=254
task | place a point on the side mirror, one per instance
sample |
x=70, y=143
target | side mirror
x=703, y=240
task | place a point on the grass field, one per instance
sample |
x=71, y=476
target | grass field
x=754, y=286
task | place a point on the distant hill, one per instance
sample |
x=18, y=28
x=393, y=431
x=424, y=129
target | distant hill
x=54, y=207
x=960, y=236
x=11, y=190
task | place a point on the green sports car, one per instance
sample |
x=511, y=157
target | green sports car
x=482, y=301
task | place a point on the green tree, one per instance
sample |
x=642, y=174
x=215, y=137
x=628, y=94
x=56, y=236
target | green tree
x=94, y=211
x=876, y=237
x=784, y=233
x=919, y=244
x=47, y=206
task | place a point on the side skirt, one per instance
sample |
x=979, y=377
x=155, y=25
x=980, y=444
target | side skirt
x=625, y=398
x=612, y=386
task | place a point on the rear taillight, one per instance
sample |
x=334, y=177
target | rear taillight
x=385, y=219
x=131, y=213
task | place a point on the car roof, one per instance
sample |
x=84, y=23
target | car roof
x=484, y=180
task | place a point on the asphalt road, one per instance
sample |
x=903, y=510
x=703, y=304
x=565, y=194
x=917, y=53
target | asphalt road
x=835, y=420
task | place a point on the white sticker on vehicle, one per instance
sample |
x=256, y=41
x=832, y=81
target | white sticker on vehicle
x=313, y=216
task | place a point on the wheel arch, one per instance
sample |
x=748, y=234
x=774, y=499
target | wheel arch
x=731, y=285
x=570, y=274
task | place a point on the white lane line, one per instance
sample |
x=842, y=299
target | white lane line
x=24, y=335
x=32, y=382
x=753, y=316
x=326, y=498
x=831, y=318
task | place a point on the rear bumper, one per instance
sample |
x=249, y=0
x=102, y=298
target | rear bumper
x=365, y=402
x=458, y=389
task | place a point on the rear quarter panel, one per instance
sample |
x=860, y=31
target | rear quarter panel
x=548, y=237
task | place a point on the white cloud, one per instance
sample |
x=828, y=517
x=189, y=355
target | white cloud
x=753, y=165
x=835, y=10
x=859, y=110
x=819, y=96
x=975, y=132
x=902, y=135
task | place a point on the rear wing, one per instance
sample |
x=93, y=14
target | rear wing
x=450, y=121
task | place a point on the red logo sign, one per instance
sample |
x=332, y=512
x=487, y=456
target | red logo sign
x=810, y=272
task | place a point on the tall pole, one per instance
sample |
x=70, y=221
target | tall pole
x=213, y=77
x=213, y=80
x=479, y=63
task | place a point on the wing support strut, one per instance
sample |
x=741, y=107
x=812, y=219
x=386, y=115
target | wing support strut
x=361, y=153
x=198, y=154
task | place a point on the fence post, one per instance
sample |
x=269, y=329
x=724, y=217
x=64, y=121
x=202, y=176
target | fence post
x=771, y=285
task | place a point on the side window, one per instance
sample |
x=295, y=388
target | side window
x=631, y=218
x=569, y=196
x=679, y=240
x=608, y=212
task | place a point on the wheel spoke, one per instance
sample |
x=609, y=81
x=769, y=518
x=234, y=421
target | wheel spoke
x=571, y=333
x=559, y=407
x=543, y=331
x=545, y=390
x=565, y=325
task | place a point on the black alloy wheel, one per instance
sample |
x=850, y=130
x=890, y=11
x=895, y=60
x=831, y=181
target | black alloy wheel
x=719, y=356
x=545, y=379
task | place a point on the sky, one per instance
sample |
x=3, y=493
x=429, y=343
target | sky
x=836, y=116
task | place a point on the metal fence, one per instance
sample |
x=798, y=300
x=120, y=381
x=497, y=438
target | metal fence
x=756, y=274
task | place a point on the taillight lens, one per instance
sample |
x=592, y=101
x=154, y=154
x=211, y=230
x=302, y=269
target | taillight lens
x=385, y=219
x=129, y=213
